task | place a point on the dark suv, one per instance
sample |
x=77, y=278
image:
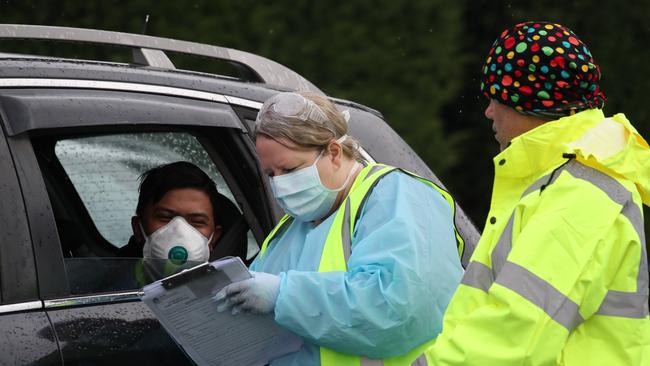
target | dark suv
x=77, y=134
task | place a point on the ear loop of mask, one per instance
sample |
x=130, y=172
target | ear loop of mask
x=144, y=235
x=353, y=170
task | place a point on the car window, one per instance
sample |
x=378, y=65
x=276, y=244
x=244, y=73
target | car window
x=105, y=171
x=96, y=195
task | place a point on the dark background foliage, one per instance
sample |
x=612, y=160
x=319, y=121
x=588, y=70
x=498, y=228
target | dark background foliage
x=417, y=61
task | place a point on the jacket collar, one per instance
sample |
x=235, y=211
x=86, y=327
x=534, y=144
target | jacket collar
x=610, y=144
x=542, y=148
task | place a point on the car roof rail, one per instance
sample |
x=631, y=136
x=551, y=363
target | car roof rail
x=149, y=51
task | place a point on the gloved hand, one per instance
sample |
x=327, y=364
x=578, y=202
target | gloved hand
x=254, y=295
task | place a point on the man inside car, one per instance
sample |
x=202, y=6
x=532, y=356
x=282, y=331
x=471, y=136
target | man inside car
x=175, y=216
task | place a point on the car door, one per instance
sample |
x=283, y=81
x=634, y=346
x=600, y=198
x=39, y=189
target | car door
x=28, y=336
x=79, y=154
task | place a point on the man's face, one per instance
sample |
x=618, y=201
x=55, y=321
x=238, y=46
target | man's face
x=507, y=123
x=192, y=204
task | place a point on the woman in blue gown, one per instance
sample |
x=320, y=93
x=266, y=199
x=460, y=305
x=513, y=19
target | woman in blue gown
x=403, y=266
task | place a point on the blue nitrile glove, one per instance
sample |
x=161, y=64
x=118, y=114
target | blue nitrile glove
x=254, y=295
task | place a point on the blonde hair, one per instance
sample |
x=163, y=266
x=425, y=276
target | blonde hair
x=308, y=133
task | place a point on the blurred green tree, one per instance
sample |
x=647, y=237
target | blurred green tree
x=418, y=62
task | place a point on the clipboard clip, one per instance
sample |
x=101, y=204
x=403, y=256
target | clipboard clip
x=188, y=275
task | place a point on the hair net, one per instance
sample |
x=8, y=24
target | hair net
x=542, y=69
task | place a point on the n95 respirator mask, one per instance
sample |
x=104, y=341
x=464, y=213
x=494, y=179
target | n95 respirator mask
x=178, y=241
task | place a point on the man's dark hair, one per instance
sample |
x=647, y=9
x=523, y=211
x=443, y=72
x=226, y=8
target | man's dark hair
x=156, y=182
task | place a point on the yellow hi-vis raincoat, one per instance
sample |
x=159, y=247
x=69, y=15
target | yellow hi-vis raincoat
x=560, y=275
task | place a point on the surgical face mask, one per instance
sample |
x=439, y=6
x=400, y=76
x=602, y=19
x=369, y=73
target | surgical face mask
x=303, y=196
x=178, y=241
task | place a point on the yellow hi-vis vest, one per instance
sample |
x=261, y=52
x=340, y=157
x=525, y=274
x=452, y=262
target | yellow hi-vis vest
x=337, y=250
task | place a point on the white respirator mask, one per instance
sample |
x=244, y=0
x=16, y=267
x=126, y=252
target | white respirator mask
x=178, y=241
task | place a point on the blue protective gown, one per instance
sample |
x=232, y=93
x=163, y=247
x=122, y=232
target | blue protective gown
x=402, y=272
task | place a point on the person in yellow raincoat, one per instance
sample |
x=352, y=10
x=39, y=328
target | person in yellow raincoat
x=560, y=275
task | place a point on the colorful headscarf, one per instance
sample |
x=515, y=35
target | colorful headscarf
x=542, y=69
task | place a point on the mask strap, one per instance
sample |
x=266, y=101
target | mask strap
x=142, y=229
x=339, y=140
x=347, y=179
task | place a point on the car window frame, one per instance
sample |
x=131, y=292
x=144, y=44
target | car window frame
x=18, y=277
x=208, y=138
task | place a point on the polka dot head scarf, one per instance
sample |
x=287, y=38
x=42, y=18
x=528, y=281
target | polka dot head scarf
x=542, y=69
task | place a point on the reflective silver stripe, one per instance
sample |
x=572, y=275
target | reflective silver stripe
x=470, y=246
x=543, y=181
x=504, y=244
x=478, y=275
x=624, y=304
x=420, y=361
x=616, y=303
x=604, y=182
x=503, y=247
x=346, y=236
x=541, y=293
x=371, y=362
x=633, y=213
x=373, y=170
x=619, y=303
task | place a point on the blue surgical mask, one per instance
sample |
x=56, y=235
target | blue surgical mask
x=303, y=196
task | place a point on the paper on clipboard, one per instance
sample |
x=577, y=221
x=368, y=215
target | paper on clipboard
x=183, y=304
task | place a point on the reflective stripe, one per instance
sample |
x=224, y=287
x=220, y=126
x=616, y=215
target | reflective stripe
x=346, y=236
x=420, y=361
x=604, y=182
x=543, y=181
x=503, y=247
x=624, y=304
x=478, y=275
x=633, y=213
x=374, y=169
x=619, y=303
x=541, y=293
x=470, y=246
x=616, y=303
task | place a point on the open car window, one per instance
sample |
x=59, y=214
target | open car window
x=93, y=183
x=105, y=172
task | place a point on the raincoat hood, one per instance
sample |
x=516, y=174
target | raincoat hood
x=611, y=145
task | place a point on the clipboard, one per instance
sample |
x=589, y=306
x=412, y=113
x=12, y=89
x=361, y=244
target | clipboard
x=183, y=304
x=188, y=275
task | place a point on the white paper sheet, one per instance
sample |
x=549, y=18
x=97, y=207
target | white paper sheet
x=190, y=316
